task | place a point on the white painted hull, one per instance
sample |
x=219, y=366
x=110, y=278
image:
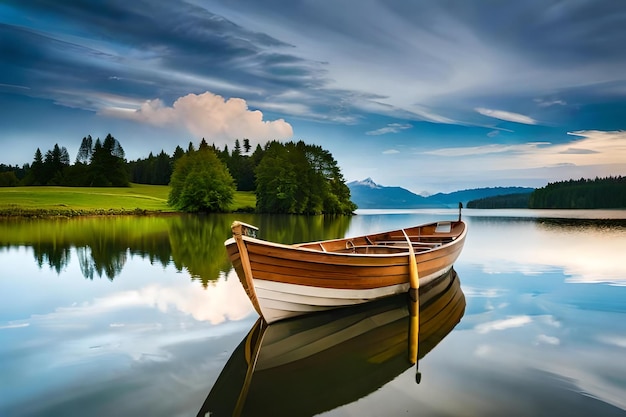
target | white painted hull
x=279, y=300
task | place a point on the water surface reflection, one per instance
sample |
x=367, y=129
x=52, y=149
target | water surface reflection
x=139, y=316
x=311, y=364
x=194, y=243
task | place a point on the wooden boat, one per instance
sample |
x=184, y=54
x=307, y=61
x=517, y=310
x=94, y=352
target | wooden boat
x=316, y=363
x=289, y=280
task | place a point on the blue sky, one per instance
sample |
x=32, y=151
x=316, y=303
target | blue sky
x=433, y=96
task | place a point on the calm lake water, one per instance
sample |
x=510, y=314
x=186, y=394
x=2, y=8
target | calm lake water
x=132, y=316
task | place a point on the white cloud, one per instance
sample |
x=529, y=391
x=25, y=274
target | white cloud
x=211, y=116
x=390, y=128
x=509, y=323
x=618, y=341
x=548, y=103
x=506, y=116
x=548, y=340
x=391, y=151
x=483, y=351
x=223, y=300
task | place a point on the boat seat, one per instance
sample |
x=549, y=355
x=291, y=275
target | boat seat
x=403, y=243
x=378, y=249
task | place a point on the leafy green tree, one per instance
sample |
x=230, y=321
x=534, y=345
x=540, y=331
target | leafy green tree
x=201, y=183
x=8, y=179
x=297, y=178
x=13, y=175
x=276, y=181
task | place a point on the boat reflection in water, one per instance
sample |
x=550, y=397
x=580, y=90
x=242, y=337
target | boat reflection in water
x=315, y=363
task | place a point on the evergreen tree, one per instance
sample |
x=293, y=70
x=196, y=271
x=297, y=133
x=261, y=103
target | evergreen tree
x=85, y=150
x=107, y=166
x=37, y=170
x=54, y=162
x=178, y=152
x=584, y=193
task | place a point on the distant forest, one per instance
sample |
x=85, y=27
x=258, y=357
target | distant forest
x=598, y=193
x=518, y=200
x=102, y=163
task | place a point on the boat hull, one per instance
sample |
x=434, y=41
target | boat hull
x=285, y=281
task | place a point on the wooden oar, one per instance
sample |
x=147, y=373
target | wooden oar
x=414, y=326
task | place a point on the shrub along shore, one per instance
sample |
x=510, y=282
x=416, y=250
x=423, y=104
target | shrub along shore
x=138, y=199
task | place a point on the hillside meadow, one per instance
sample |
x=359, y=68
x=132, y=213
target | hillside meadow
x=73, y=201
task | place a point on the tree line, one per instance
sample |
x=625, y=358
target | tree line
x=290, y=178
x=607, y=193
x=516, y=200
x=98, y=164
x=293, y=177
x=598, y=193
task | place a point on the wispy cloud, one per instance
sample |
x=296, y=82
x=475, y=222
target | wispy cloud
x=390, y=128
x=576, y=151
x=13, y=86
x=488, y=149
x=12, y=325
x=506, y=116
x=390, y=151
x=594, y=147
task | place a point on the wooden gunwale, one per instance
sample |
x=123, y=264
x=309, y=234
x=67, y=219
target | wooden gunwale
x=361, y=271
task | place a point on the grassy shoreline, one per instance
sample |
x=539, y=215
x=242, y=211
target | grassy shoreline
x=138, y=199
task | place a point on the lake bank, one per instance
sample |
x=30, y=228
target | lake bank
x=138, y=199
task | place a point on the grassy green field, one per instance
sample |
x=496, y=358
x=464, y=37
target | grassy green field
x=138, y=198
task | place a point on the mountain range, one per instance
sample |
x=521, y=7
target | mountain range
x=366, y=194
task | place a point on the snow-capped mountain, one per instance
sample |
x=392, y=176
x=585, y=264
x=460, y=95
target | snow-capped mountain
x=366, y=194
